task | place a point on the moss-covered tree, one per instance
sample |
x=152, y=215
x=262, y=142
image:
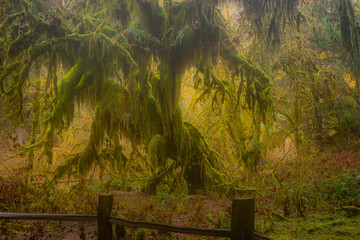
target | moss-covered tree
x=126, y=60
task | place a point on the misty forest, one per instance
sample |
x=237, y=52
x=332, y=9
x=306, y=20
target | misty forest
x=177, y=107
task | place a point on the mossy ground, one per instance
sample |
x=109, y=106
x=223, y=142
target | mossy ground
x=321, y=225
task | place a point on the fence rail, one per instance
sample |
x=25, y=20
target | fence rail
x=242, y=221
x=59, y=217
x=172, y=228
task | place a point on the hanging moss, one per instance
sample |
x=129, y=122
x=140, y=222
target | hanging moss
x=65, y=104
x=10, y=69
x=51, y=78
x=80, y=163
x=157, y=148
x=269, y=18
x=350, y=37
x=48, y=144
x=313, y=89
x=119, y=10
x=153, y=17
x=36, y=117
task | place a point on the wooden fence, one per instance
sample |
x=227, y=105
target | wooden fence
x=242, y=221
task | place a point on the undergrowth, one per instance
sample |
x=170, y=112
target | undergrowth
x=287, y=206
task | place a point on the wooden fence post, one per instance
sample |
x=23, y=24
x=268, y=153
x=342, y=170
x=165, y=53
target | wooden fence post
x=104, y=210
x=242, y=219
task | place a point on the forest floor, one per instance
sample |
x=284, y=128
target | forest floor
x=322, y=225
x=332, y=181
x=184, y=210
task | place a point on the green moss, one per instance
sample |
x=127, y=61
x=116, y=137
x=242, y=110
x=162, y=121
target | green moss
x=270, y=18
x=121, y=231
x=318, y=226
x=80, y=163
x=84, y=80
x=153, y=17
x=51, y=78
x=10, y=19
x=48, y=143
x=157, y=153
x=140, y=234
x=109, y=32
x=10, y=69
x=64, y=109
x=124, y=13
